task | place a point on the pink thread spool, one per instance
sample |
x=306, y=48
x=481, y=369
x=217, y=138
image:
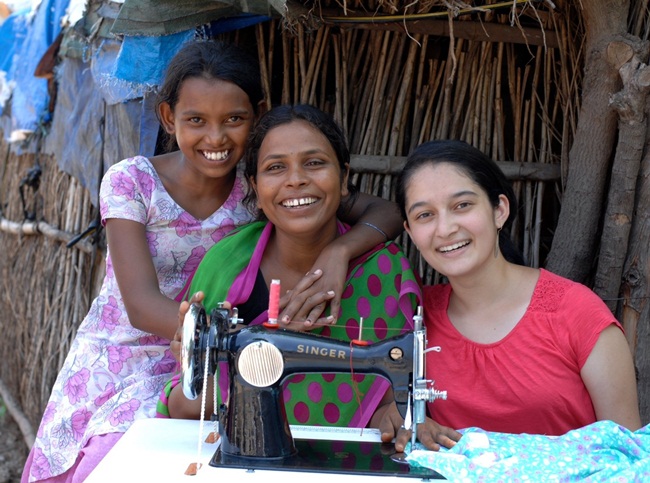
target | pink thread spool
x=274, y=304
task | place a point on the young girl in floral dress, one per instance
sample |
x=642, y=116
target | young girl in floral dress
x=161, y=215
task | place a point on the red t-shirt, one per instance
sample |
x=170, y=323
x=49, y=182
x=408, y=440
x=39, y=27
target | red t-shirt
x=528, y=382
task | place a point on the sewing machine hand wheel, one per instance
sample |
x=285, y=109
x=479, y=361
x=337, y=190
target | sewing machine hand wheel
x=195, y=328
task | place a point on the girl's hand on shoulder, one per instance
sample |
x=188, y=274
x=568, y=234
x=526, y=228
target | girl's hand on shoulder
x=303, y=308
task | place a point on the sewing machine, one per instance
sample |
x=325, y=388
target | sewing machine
x=253, y=426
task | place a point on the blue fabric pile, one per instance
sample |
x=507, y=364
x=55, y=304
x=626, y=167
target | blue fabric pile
x=601, y=452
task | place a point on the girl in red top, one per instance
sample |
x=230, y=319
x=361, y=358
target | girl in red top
x=521, y=350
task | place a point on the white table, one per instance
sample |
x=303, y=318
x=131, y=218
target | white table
x=160, y=450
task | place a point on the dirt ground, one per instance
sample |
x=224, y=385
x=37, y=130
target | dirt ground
x=13, y=450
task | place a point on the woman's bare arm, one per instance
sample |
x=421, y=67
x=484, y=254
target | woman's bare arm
x=610, y=379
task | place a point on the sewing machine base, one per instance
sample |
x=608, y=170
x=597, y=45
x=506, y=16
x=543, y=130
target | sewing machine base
x=327, y=456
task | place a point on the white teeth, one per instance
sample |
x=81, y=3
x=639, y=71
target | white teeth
x=216, y=155
x=298, y=202
x=453, y=247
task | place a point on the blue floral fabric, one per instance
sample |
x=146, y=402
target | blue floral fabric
x=600, y=452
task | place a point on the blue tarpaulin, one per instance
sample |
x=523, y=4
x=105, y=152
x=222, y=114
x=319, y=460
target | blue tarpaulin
x=30, y=97
x=142, y=60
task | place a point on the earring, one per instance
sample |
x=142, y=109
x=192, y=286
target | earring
x=496, y=246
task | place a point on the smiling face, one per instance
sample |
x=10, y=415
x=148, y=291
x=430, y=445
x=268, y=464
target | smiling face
x=299, y=183
x=451, y=220
x=211, y=122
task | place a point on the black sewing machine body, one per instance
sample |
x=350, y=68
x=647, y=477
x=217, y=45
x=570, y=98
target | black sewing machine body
x=253, y=425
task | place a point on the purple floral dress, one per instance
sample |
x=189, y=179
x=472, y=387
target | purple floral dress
x=114, y=373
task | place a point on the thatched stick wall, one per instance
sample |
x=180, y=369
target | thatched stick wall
x=391, y=91
x=46, y=287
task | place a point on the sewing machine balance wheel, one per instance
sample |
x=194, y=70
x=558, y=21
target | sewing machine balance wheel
x=195, y=328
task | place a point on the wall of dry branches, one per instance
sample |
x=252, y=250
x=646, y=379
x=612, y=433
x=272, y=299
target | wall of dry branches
x=390, y=90
x=46, y=287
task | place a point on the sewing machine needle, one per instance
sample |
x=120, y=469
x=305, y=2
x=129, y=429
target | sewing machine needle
x=408, y=419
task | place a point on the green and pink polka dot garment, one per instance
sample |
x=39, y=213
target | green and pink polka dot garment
x=381, y=287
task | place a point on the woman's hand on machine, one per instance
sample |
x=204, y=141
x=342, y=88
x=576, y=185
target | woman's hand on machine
x=431, y=434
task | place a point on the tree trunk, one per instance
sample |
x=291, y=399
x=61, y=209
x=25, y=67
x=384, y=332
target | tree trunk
x=630, y=104
x=576, y=237
x=634, y=309
x=574, y=242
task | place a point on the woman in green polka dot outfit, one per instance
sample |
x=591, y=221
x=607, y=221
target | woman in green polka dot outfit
x=297, y=166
